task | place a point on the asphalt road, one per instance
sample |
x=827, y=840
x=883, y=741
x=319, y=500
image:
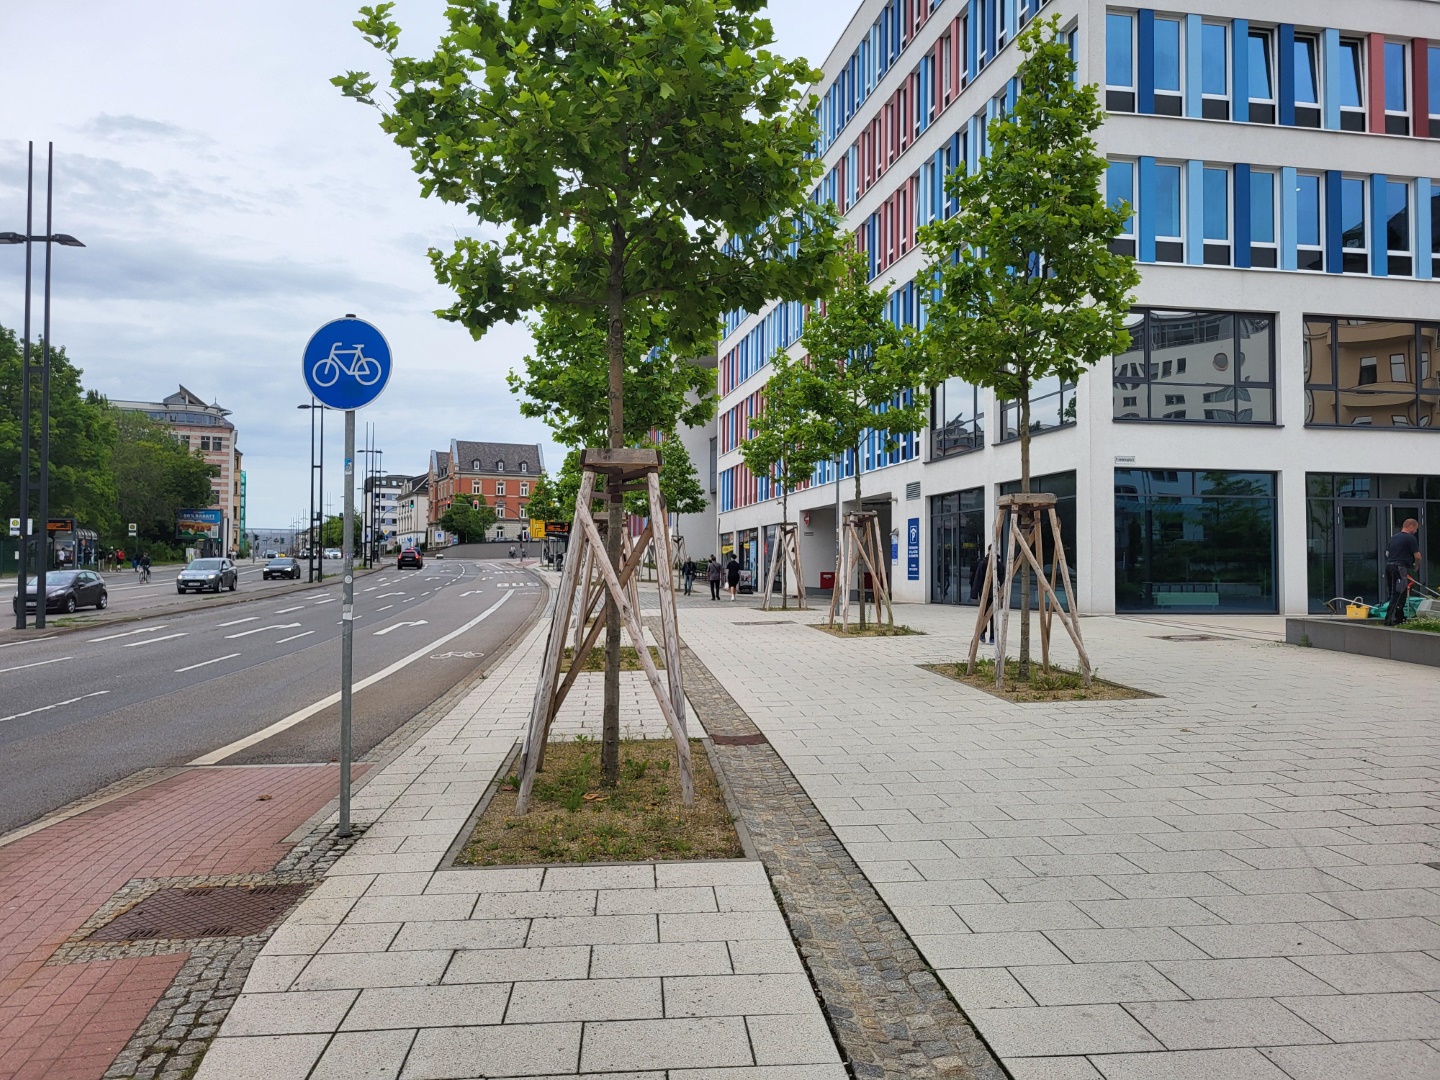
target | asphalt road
x=86, y=708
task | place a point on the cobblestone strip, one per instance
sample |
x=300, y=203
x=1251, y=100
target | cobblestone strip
x=890, y=1014
x=169, y=1043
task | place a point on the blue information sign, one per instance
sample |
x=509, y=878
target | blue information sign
x=912, y=539
x=347, y=364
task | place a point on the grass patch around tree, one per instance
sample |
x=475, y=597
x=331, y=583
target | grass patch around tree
x=1059, y=684
x=870, y=630
x=573, y=819
x=1426, y=626
x=629, y=658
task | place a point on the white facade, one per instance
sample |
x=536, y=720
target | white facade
x=1145, y=506
x=412, y=511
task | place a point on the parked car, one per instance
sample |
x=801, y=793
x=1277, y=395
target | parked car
x=66, y=590
x=212, y=574
x=409, y=557
x=282, y=567
x=333, y=553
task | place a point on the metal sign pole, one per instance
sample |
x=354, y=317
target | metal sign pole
x=347, y=623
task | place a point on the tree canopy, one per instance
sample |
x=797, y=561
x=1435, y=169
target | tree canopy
x=155, y=476
x=780, y=445
x=468, y=518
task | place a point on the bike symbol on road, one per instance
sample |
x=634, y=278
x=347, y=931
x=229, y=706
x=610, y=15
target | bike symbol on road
x=456, y=655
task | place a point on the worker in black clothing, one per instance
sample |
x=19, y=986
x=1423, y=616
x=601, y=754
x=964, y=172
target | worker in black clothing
x=1402, y=555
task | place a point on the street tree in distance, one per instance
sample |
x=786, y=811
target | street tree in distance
x=859, y=376
x=779, y=445
x=615, y=146
x=1028, y=287
x=468, y=518
x=544, y=503
x=155, y=476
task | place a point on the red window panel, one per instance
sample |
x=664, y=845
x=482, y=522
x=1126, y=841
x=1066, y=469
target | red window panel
x=1376, y=67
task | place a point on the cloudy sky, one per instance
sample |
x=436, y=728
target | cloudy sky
x=232, y=201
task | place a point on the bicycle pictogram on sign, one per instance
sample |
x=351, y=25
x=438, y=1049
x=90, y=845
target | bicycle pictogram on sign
x=361, y=368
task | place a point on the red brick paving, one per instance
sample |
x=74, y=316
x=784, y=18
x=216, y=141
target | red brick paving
x=70, y=1020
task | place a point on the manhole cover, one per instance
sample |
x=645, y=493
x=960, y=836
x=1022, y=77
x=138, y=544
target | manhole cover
x=1189, y=637
x=739, y=740
x=216, y=911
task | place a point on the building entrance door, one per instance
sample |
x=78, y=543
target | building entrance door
x=1362, y=528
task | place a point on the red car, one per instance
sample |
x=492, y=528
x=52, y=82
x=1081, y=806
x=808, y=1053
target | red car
x=410, y=557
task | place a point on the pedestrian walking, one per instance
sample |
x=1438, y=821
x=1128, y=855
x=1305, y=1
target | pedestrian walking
x=119, y=558
x=712, y=574
x=1402, y=555
x=512, y=551
x=687, y=571
x=732, y=576
x=977, y=586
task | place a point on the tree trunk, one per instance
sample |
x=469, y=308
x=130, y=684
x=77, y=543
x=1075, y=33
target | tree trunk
x=615, y=343
x=1022, y=673
x=859, y=563
x=780, y=540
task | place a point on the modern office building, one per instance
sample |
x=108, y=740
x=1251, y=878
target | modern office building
x=1274, y=418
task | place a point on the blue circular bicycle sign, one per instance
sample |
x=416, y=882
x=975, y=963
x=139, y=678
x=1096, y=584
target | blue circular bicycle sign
x=347, y=364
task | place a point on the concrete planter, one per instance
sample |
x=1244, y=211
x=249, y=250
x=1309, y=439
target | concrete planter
x=1367, y=638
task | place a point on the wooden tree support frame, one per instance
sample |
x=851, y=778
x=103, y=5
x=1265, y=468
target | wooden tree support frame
x=786, y=554
x=587, y=581
x=861, y=546
x=1027, y=516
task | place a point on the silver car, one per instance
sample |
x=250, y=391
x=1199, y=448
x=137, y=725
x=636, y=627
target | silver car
x=211, y=574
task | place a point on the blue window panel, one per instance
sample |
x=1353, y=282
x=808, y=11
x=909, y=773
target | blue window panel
x=1145, y=55
x=1392, y=220
x=1290, y=217
x=1394, y=77
x=1352, y=213
x=1119, y=50
x=1433, y=70
x=1334, y=261
x=1243, y=184
x=1240, y=70
x=1194, y=209
x=1306, y=72
x=972, y=149
x=1216, y=224
x=1147, y=215
x=1260, y=81
x=1194, y=63
x=1012, y=95
x=1167, y=202
x=1335, y=78
x=1310, y=204
x=1167, y=55
x=1120, y=188
x=1285, y=93
x=972, y=39
x=1214, y=58
x=1424, y=223
x=1260, y=194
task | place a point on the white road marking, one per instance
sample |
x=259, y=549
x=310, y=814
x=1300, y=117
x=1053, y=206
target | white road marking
x=387, y=607
x=28, y=641
x=327, y=600
x=262, y=629
x=237, y=622
x=206, y=663
x=37, y=663
x=398, y=625
x=411, y=598
x=47, y=708
x=152, y=641
x=372, y=588
x=128, y=633
x=287, y=610
x=324, y=703
x=383, y=595
x=292, y=637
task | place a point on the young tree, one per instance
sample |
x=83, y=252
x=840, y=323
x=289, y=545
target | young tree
x=154, y=477
x=544, y=504
x=1028, y=286
x=615, y=145
x=469, y=517
x=857, y=376
x=779, y=446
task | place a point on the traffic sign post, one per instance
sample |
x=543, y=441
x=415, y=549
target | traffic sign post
x=346, y=365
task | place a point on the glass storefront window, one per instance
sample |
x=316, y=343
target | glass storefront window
x=1370, y=373
x=1194, y=541
x=957, y=543
x=1349, y=519
x=1199, y=366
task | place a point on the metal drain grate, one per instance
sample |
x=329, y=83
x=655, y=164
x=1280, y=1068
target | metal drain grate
x=1189, y=637
x=216, y=911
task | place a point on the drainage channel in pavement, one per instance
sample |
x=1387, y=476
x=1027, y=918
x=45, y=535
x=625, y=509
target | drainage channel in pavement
x=891, y=1016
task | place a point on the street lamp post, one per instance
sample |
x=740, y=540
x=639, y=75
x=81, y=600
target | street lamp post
x=316, y=532
x=29, y=239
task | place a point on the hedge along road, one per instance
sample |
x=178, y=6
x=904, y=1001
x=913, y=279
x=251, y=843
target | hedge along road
x=84, y=709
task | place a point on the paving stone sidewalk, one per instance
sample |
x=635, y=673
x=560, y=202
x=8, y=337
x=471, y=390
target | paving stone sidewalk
x=397, y=967
x=1232, y=880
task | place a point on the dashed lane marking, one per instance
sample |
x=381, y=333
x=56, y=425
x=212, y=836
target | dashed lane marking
x=292, y=637
x=237, y=622
x=129, y=633
x=47, y=708
x=206, y=663
x=152, y=641
x=262, y=629
x=37, y=663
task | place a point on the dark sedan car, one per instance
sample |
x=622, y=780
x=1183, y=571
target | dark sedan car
x=66, y=590
x=410, y=557
x=281, y=568
x=203, y=574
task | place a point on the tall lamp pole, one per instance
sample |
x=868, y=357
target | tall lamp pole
x=29, y=239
